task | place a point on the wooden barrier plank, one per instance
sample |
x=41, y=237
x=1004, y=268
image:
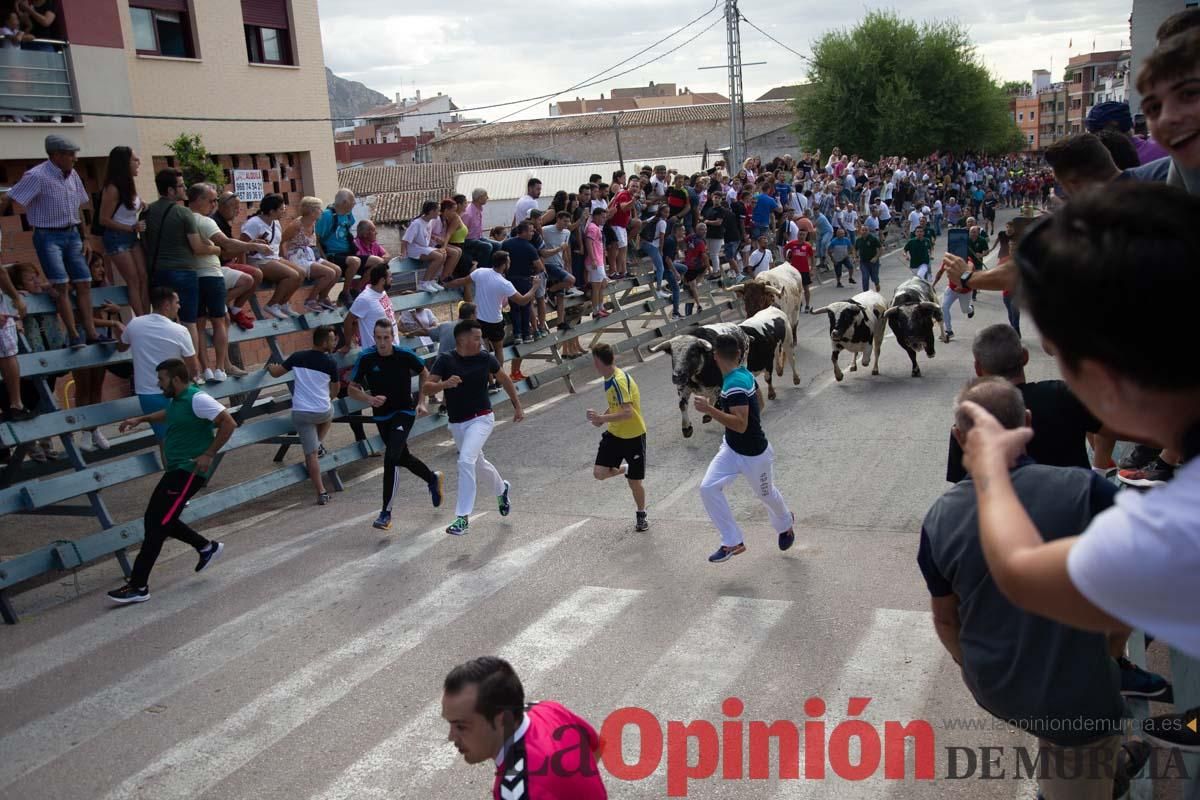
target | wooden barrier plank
x=38, y=494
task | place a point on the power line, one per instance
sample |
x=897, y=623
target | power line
x=776, y=41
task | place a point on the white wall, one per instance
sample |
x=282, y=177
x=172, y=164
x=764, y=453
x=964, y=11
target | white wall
x=1147, y=16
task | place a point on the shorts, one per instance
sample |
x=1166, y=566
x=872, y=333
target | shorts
x=622, y=235
x=554, y=274
x=211, y=297
x=61, y=254
x=306, y=423
x=693, y=274
x=806, y=278
x=119, y=241
x=492, y=331
x=416, y=251
x=151, y=403
x=186, y=284
x=303, y=258
x=234, y=276
x=8, y=338
x=340, y=259
x=596, y=274
x=613, y=450
x=242, y=268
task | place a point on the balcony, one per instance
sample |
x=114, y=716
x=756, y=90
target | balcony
x=36, y=85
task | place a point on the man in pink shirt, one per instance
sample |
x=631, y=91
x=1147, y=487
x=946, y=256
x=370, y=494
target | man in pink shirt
x=477, y=246
x=594, y=260
x=541, y=751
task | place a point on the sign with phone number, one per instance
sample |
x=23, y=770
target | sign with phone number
x=248, y=184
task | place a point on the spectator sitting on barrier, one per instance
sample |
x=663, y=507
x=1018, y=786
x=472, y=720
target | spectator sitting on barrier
x=264, y=227
x=233, y=250
x=554, y=245
x=303, y=246
x=449, y=231
x=371, y=305
x=152, y=339
x=418, y=244
x=316, y=384
x=369, y=251
x=334, y=229
x=12, y=311
x=496, y=237
x=43, y=334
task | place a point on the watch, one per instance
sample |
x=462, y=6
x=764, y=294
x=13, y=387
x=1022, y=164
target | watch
x=965, y=279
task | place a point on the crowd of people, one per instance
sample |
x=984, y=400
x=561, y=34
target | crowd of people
x=1067, y=565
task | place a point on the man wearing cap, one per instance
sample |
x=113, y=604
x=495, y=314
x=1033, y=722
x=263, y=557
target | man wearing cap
x=51, y=194
x=1116, y=115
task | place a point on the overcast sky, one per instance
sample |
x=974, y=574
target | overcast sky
x=480, y=55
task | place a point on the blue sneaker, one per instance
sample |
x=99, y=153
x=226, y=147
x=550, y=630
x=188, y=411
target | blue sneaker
x=458, y=527
x=725, y=553
x=1137, y=682
x=788, y=537
x=435, y=487
x=384, y=521
x=502, y=501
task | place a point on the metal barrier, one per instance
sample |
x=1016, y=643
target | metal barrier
x=260, y=422
x=37, y=82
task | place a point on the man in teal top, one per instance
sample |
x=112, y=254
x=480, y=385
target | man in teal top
x=197, y=427
x=335, y=229
x=744, y=451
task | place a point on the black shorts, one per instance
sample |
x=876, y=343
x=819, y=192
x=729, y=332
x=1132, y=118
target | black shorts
x=806, y=278
x=339, y=258
x=613, y=450
x=492, y=331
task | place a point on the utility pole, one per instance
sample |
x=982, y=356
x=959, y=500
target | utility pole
x=617, y=132
x=737, y=109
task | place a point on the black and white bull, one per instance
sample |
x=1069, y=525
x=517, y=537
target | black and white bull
x=912, y=316
x=768, y=333
x=780, y=287
x=856, y=325
x=693, y=369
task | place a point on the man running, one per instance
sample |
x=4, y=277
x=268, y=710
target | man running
x=382, y=378
x=189, y=445
x=625, y=439
x=463, y=375
x=744, y=451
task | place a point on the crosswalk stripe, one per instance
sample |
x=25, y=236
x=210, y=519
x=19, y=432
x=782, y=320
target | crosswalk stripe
x=539, y=649
x=900, y=648
x=55, y=652
x=41, y=741
x=233, y=743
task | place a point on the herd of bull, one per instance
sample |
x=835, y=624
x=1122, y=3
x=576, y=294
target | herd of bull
x=773, y=302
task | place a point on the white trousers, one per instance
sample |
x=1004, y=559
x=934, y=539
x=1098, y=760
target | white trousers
x=948, y=298
x=759, y=472
x=469, y=438
x=920, y=271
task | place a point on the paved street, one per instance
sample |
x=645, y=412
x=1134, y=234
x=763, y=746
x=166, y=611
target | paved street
x=307, y=662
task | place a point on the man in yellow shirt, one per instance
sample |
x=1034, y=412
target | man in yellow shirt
x=625, y=439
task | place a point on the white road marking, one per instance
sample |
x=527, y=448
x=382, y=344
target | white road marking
x=267, y=719
x=540, y=649
x=679, y=492
x=38, y=659
x=899, y=649
x=43, y=740
x=370, y=475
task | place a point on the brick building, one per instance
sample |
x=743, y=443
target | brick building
x=1085, y=79
x=644, y=133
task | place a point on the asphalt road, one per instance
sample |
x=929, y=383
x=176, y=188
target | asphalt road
x=307, y=662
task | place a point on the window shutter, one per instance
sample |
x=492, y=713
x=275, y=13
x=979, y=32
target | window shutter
x=265, y=13
x=161, y=5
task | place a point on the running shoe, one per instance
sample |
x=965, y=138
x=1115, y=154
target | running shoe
x=458, y=527
x=1156, y=473
x=1130, y=760
x=642, y=524
x=323, y=499
x=725, y=553
x=128, y=594
x=327, y=305
x=313, y=306
x=435, y=487
x=788, y=537
x=20, y=414
x=1140, y=456
x=574, y=293
x=288, y=311
x=1180, y=731
x=502, y=501
x=970, y=310
x=384, y=521
x=208, y=554
x=516, y=375
x=218, y=375
x=1137, y=682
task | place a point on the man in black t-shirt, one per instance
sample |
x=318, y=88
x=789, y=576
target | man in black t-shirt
x=1060, y=422
x=463, y=374
x=382, y=378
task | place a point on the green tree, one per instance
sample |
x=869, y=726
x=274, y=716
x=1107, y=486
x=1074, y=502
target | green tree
x=1016, y=87
x=892, y=87
x=192, y=159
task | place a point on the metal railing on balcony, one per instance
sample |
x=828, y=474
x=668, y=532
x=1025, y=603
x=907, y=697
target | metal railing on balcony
x=37, y=82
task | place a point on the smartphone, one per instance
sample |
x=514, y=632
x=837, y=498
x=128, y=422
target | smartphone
x=958, y=243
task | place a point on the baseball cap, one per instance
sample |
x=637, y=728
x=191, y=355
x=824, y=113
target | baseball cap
x=1111, y=111
x=60, y=144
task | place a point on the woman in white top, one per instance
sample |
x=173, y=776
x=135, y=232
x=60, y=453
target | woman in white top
x=119, y=209
x=264, y=227
x=302, y=247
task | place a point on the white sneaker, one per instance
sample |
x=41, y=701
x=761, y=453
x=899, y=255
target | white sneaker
x=99, y=440
x=275, y=311
x=219, y=375
x=422, y=286
x=209, y=375
x=198, y=380
x=85, y=444
x=663, y=294
x=289, y=312
x=573, y=292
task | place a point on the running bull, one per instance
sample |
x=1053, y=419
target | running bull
x=912, y=315
x=693, y=370
x=780, y=287
x=856, y=325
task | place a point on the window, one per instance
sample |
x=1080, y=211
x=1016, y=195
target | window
x=268, y=34
x=162, y=28
x=1020, y=116
x=1031, y=116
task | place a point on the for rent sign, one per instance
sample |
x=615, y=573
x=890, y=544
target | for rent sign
x=248, y=184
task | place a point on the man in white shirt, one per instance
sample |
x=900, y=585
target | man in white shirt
x=914, y=219
x=154, y=338
x=533, y=190
x=417, y=246
x=491, y=290
x=371, y=305
x=797, y=202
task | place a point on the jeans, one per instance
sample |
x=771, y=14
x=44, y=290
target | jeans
x=837, y=268
x=522, y=316
x=650, y=249
x=823, y=244
x=869, y=269
x=170, y=496
x=469, y=438
x=948, y=297
x=480, y=250
x=61, y=256
x=937, y=224
x=673, y=284
x=1014, y=313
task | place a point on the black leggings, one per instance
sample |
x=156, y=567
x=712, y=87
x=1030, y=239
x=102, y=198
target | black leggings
x=394, y=431
x=173, y=491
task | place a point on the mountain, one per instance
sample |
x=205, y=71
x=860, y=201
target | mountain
x=348, y=99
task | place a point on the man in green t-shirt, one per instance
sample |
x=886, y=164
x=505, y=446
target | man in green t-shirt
x=868, y=247
x=917, y=252
x=197, y=427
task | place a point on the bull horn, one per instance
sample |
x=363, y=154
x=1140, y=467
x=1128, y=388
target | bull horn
x=706, y=344
x=933, y=307
x=738, y=289
x=664, y=347
x=820, y=310
x=891, y=312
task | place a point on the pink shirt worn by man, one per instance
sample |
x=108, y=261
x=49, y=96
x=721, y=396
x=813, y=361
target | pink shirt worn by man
x=365, y=250
x=472, y=217
x=552, y=756
x=595, y=245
